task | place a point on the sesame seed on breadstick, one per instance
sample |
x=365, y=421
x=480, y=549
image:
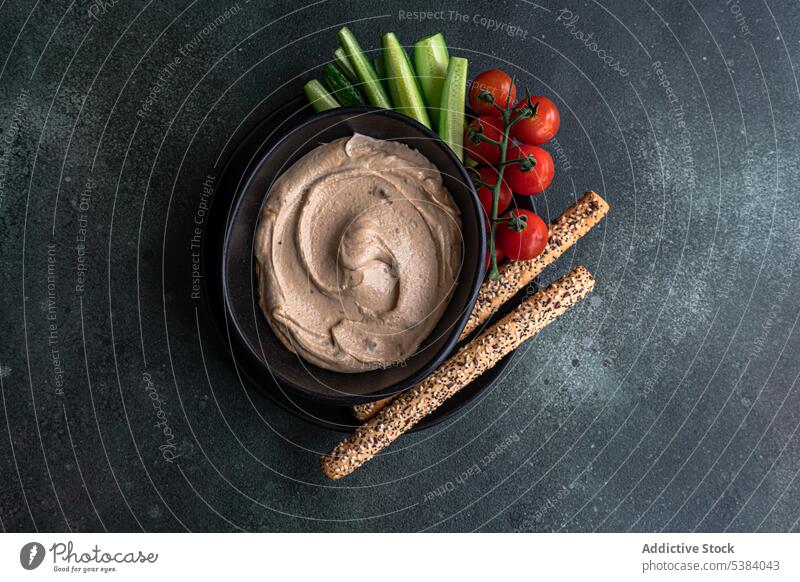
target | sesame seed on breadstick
x=565, y=231
x=367, y=410
x=472, y=360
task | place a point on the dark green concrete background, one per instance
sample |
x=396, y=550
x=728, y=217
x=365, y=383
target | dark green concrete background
x=668, y=401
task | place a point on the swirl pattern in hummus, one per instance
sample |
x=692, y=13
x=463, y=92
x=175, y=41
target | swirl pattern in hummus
x=357, y=250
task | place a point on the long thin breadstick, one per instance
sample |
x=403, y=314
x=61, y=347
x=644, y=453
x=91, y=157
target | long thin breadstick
x=472, y=360
x=565, y=231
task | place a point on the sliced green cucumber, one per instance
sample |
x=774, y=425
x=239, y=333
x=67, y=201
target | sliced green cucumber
x=402, y=82
x=341, y=59
x=342, y=90
x=319, y=97
x=376, y=95
x=451, y=116
x=430, y=61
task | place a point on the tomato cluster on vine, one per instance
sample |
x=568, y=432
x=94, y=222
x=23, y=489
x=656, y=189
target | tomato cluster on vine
x=504, y=140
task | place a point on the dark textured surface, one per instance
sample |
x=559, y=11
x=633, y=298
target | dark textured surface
x=669, y=400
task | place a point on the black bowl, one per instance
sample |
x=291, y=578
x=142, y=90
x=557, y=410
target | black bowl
x=239, y=284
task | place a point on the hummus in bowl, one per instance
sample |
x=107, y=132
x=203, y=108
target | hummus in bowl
x=358, y=250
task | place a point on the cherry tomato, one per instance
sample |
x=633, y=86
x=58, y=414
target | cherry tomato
x=540, y=128
x=481, y=151
x=489, y=175
x=530, y=180
x=525, y=244
x=497, y=84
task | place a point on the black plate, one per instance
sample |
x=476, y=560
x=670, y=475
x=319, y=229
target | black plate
x=239, y=281
x=239, y=162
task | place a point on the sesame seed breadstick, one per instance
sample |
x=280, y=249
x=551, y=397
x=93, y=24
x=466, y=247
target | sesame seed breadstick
x=530, y=317
x=565, y=231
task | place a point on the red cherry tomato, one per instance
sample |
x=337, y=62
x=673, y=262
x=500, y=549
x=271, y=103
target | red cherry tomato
x=527, y=181
x=497, y=84
x=525, y=244
x=481, y=151
x=489, y=176
x=540, y=128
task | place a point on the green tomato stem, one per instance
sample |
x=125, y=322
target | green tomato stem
x=509, y=162
x=505, y=112
x=499, y=108
x=484, y=137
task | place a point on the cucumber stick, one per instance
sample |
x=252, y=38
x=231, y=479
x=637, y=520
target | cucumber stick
x=380, y=67
x=430, y=61
x=340, y=87
x=341, y=60
x=451, y=116
x=376, y=95
x=402, y=81
x=319, y=97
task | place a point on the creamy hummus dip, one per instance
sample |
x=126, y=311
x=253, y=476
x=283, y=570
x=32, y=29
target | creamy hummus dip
x=358, y=249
